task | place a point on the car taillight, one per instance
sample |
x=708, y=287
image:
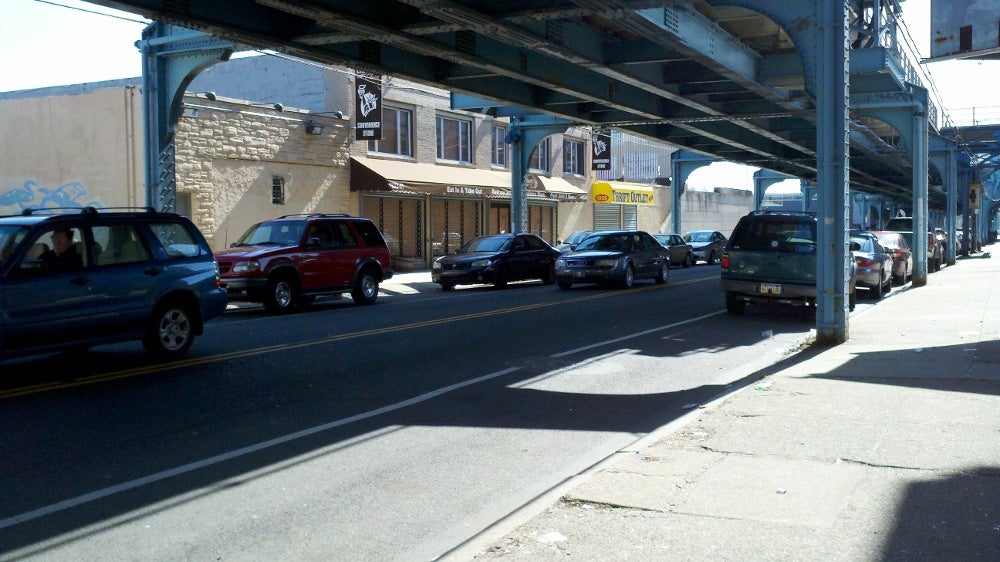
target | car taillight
x=724, y=263
x=864, y=262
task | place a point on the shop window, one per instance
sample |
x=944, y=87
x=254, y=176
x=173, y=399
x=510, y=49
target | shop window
x=396, y=133
x=573, y=157
x=454, y=138
x=499, y=146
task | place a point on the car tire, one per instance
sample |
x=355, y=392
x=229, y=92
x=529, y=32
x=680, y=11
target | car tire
x=734, y=305
x=888, y=285
x=878, y=291
x=711, y=258
x=366, y=290
x=852, y=300
x=500, y=280
x=688, y=260
x=628, y=280
x=170, y=332
x=564, y=285
x=664, y=273
x=281, y=294
x=550, y=274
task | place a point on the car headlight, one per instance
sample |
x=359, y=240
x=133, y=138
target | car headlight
x=482, y=263
x=606, y=263
x=246, y=267
x=436, y=265
x=560, y=262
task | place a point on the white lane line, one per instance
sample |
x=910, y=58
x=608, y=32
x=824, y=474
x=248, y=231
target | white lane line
x=635, y=335
x=139, y=482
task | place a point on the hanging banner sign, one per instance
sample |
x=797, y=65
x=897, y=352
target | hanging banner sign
x=602, y=150
x=604, y=192
x=368, y=108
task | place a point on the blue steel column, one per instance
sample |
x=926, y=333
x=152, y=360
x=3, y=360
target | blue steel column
x=682, y=163
x=171, y=57
x=763, y=179
x=524, y=135
x=833, y=100
x=950, y=216
x=919, y=182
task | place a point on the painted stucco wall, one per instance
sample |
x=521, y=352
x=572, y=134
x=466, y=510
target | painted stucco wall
x=72, y=150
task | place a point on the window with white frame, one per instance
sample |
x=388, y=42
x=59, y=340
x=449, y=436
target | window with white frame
x=573, y=157
x=397, y=132
x=454, y=139
x=499, y=147
x=540, y=156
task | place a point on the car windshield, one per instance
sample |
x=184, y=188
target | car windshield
x=272, y=233
x=577, y=237
x=10, y=237
x=487, y=244
x=610, y=242
x=698, y=236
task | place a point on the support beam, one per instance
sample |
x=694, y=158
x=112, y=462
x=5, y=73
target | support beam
x=682, y=163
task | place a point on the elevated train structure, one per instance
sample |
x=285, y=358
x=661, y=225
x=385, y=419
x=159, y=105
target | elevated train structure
x=819, y=90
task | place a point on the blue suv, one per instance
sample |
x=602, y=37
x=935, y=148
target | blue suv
x=86, y=277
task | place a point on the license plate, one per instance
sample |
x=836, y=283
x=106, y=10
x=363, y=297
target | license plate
x=770, y=288
x=579, y=273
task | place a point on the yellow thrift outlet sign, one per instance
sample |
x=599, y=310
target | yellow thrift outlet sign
x=605, y=192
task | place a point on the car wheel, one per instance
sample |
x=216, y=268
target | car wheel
x=664, y=273
x=170, y=332
x=564, y=285
x=852, y=300
x=887, y=286
x=280, y=295
x=711, y=258
x=550, y=274
x=629, y=279
x=734, y=304
x=366, y=291
x=500, y=281
x=877, y=292
x=688, y=260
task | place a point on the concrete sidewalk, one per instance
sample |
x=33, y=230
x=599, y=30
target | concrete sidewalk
x=886, y=447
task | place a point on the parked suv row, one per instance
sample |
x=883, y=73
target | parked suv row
x=74, y=280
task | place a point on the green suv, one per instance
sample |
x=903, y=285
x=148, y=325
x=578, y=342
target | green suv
x=771, y=259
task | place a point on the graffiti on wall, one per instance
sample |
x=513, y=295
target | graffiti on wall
x=32, y=195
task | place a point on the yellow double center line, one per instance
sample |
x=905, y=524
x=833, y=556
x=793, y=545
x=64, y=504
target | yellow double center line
x=160, y=367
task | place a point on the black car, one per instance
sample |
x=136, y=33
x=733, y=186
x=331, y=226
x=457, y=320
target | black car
x=496, y=260
x=680, y=251
x=614, y=257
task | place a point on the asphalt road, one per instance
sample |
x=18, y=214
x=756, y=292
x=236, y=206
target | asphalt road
x=392, y=432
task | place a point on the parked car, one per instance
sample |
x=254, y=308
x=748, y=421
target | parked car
x=708, y=245
x=942, y=239
x=681, y=253
x=874, y=264
x=497, y=259
x=614, y=257
x=904, y=225
x=902, y=258
x=289, y=261
x=88, y=277
x=573, y=239
x=771, y=259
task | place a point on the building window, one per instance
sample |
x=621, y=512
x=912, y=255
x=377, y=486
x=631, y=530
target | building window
x=454, y=138
x=499, y=146
x=396, y=133
x=277, y=190
x=573, y=157
x=540, y=156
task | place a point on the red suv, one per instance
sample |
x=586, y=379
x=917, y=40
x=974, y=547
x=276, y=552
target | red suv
x=292, y=259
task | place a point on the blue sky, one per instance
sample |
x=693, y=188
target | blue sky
x=57, y=42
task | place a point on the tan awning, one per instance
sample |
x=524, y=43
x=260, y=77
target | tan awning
x=621, y=193
x=562, y=190
x=373, y=174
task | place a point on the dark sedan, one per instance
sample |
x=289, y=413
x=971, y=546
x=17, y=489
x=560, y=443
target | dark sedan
x=874, y=264
x=614, y=257
x=708, y=244
x=681, y=253
x=496, y=260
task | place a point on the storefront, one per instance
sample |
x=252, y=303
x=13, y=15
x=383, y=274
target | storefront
x=427, y=210
x=616, y=204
